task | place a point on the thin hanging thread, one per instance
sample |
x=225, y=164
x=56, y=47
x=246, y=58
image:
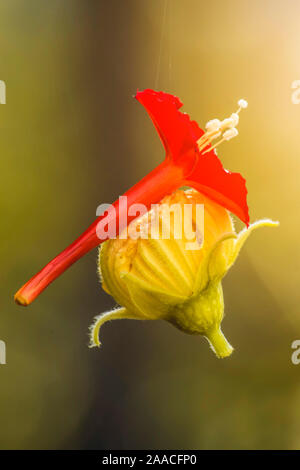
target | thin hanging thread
x=170, y=45
x=161, y=42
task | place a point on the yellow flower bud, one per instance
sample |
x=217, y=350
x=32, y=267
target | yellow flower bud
x=173, y=278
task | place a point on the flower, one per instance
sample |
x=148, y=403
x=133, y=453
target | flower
x=190, y=160
x=153, y=278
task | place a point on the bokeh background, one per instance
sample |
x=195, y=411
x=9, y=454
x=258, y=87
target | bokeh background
x=72, y=137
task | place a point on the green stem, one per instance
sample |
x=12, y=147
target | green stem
x=219, y=343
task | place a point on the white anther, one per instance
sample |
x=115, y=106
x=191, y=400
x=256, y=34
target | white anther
x=243, y=104
x=235, y=117
x=213, y=125
x=228, y=122
x=230, y=133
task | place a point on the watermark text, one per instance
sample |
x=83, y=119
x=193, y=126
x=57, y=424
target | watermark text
x=2, y=92
x=2, y=352
x=162, y=222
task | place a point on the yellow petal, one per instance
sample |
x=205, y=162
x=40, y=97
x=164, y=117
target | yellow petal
x=152, y=303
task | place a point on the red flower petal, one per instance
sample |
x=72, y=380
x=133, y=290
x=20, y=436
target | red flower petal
x=180, y=135
x=226, y=188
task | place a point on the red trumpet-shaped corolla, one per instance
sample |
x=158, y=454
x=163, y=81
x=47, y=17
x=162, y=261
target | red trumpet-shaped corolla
x=190, y=161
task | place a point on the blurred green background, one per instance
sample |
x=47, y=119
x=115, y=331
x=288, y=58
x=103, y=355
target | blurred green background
x=72, y=137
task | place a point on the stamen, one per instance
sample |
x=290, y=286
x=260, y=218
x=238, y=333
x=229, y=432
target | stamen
x=230, y=133
x=207, y=138
x=235, y=117
x=213, y=125
x=215, y=128
x=227, y=123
